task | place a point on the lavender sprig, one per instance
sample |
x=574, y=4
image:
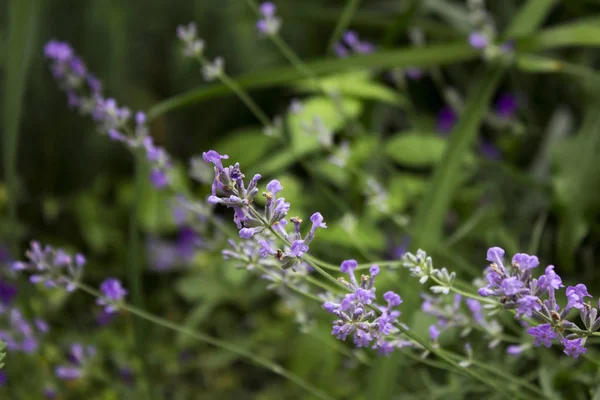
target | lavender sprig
x=84, y=92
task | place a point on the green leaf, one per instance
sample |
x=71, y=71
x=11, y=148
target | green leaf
x=581, y=33
x=326, y=110
x=361, y=231
x=432, y=211
x=530, y=17
x=415, y=149
x=403, y=189
x=407, y=57
x=237, y=146
x=576, y=184
x=357, y=84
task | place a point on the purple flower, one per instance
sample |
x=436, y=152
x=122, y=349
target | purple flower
x=478, y=40
x=511, y=286
x=550, y=280
x=58, y=51
x=506, y=106
x=392, y=298
x=356, y=317
x=574, y=347
x=351, y=42
x=543, y=335
x=3, y=378
x=274, y=187
x=270, y=23
x=159, y=178
x=68, y=373
x=434, y=332
x=475, y=308
x=113, y=292
x=215, y=158
x=267, y=9
x=446, y=119
x=515, y=350
x=576, y=295
x=349, y=266
x=413, y=73
x=8, y=292
x=525, y=261
x=298, y=248
x=528, y=304
x=489, y=150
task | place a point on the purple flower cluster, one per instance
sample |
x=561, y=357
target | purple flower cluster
x=357, y=317
x=52, y=267
x=352, y=44
x=84, y=91
x=79, y=358
x=270, y=23
x=20, y=334
x=536, y=298
x=113, y=294
x=451, y=314
x=165, y=255
x=229, y=190
x=292, y=257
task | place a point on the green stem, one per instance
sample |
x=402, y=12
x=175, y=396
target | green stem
x=135, y=267
x=241, y=93
x=507, y=376
x=261, y=361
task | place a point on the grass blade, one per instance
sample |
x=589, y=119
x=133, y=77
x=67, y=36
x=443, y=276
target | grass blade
x=432, y=211
x=530, y=18
x=22, y=21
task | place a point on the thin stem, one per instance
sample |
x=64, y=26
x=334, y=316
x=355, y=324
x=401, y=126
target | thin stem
x=261, y=361
x=134, y=269
x=507, y=376
x=343, y=22
x=241, y=93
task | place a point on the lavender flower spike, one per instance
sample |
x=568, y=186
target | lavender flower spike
x=113, y=293
x=269, y=24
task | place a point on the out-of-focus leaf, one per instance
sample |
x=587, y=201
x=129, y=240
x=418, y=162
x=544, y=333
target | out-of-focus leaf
x=345, y=232
x=432, y=211
x=247, y=146
x=577, y=185
x=403, y=188
x=357, y=84
x=327, y=112
x=416, y=149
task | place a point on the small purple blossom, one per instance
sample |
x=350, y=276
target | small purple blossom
x=543, y=335
x=576, y=295
x=574, y=348
x=528, y=304
x=356, y=316
x=351, y=43
x=478, y=40
x=506, y=106
x=446, y=120
x=113, y=293
x=269, y=24
x=434, y=332
x=511, y=286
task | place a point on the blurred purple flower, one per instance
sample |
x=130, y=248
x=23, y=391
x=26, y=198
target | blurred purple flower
x=446, y=119
x=489, y=151
x=506, y=106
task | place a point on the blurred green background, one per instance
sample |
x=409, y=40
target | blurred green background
x=75, y=187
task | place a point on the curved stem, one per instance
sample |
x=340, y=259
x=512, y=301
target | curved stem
x=261, y=361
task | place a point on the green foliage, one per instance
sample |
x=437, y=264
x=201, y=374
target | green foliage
x=80, y=191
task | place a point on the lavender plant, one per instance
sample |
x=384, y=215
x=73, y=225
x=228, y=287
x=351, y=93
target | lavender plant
x=503, y=315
